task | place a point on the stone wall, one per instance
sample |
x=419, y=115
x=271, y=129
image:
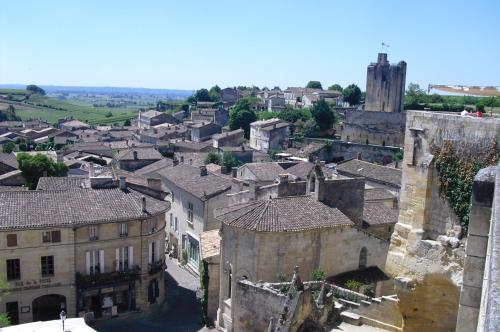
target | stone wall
x=428, y=270
x=377, y=127
x=343, y=150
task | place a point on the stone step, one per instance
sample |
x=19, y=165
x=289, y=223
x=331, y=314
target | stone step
x=378, y=324
x=349, y=303
x=351, y=318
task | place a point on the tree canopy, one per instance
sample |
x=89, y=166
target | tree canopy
x=352, y=94
x=214, y=93
x=314, y=85
x=242, y=114
x=127, y=123
x=9, y=114
x=35, y=166
x=212, y=158
x=35, y=89
x=202, y=95
x=323, y=115
x=336, y=87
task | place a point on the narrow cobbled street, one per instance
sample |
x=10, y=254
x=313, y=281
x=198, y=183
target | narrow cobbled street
x=180, y=312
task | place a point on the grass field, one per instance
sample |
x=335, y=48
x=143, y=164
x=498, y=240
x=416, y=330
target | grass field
x=50, y=109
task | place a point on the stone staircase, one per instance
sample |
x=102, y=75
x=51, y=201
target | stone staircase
x=381, y=312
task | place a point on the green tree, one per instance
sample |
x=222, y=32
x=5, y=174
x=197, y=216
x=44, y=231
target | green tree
x=314, y=85
x=214, y=93
x=212, y=158
x=8, y=147
x=335, y=87
x=109, y=114
x=292, y=115
x=352, y=94
x=242, y=114
x=229, y=161
x=415, y=95
x=202, y=95
x=35, y=89
x=4, y=318
x=35, y=166
x=323, y=115
x=127, y=123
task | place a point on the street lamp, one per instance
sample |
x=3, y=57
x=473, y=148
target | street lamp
x=63, y=318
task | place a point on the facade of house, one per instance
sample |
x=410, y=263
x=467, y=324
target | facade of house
x=268, y=134
x=148, y=119
x=219, y=116
x=229, y=138
x=97, y=252
x=135, y=158
x=194, y=194
x=203, y=131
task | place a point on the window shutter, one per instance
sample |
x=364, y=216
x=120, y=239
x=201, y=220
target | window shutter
x=87, y=262
x=150, y=253
x=101, y=261
x=157, y=250
x=130, y=257
x=117, y=259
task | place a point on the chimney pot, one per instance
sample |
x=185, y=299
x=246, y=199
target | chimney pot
x=234, y=172
x=182, y=159
x=135, y=155
x=283, y=178
x=123, y=183
x=203, y=170
x=359, y=156
x=143, y=203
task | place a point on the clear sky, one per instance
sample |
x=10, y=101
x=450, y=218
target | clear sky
x=189, y=44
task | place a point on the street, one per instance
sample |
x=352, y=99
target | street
x=180, y=312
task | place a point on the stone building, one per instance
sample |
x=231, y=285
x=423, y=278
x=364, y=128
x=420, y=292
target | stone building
x=151, y=118
x=203, y=131
x=269, y=134
x=426, y=255
x=229, y=138
x=322, y=229
x=194, y=194
x=136, y=158
x=385, y=85
x=97, y=251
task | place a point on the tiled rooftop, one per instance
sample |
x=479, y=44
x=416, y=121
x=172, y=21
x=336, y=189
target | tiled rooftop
x=377, y=213
x=371, y=171
x=57, y=208
x=284, y=214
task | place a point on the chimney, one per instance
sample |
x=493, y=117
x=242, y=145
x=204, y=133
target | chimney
x=44, y=174
x=182, y=159
x=154, y=184
x=175, y=161
x=397, y=164
x=395, y=203
x=123, y=183
x=143, y=203
x=91, y=170
x=252, y=188
x=283, y=178
x=135, y=155
x=203, y=171
x=59, y=155
x=234, y=172
x=359, y=156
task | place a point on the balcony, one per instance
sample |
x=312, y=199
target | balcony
x=156, y=267
x=107, y=278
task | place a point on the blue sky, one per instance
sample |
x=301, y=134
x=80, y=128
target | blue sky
x=192, y=44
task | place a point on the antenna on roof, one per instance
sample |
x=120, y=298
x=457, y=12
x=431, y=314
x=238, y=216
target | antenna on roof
x=382, y=47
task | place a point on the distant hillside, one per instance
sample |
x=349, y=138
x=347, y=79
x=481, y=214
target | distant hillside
x=173, y=93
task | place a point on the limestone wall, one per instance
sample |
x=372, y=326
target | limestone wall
x=428, y=271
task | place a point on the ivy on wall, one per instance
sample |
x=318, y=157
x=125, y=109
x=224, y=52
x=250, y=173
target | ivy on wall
x=204, y=291
x=456, y=172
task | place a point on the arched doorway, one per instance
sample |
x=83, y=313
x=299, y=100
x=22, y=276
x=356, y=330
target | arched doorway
x=48, y=307
x=362, y=258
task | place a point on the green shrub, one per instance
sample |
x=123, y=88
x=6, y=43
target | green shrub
x=318, y=275
x=353, y=285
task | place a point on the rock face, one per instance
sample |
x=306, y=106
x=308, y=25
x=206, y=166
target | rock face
x=426, y=256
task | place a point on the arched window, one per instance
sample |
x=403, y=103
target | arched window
x=312, y=183
x=362, y=258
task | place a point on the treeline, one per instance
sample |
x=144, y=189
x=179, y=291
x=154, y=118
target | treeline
x=9, y=114
x=417, y=99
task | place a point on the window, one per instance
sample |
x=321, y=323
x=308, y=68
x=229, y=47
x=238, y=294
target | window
x=154, y=252
x=93, y=234
x=124, y=258
x=171, y=221
x=13, y=269
x=47, y=266
x=51, y=236
x=11, y=240
x=176, y=224
x=173, y=197
x=151, y=226
x=94, y=262
x=123, y=229
x=190, y=212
